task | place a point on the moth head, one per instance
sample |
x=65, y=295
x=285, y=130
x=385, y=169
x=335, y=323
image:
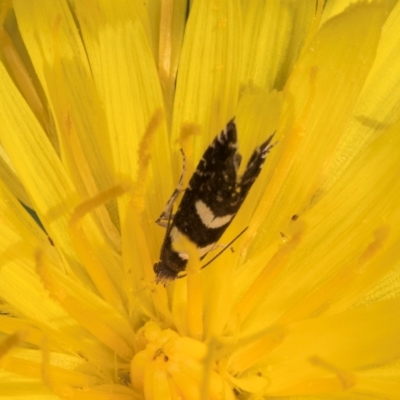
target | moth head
x=163, y=273
x=170, y=268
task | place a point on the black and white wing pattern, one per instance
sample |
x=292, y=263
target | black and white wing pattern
x=210, y=202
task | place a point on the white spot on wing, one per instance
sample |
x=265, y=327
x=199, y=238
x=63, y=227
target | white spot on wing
x=208, y=218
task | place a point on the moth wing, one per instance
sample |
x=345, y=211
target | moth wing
x=254, y=166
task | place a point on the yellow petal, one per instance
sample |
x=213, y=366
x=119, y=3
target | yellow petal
x=348, y=241
x=168, y=21
x=377, y=106
x=66, y=78
x=273, y=35
x=312, y=349
x=208, y=79
x=24, y=146
x=319, y=97
x=381, y=381
x=10, y=178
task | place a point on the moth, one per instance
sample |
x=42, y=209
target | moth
x=210, y=202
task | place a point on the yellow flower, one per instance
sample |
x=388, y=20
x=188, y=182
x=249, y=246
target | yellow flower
x=97, y=97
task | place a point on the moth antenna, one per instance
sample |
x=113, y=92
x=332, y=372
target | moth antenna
x=227, y=247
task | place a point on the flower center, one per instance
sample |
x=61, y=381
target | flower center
x=172, y=366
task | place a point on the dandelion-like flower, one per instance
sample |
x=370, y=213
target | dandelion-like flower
x=96, y=100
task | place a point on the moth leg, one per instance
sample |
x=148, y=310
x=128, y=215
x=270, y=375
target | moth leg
x=165, y=217
x=163, y=222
